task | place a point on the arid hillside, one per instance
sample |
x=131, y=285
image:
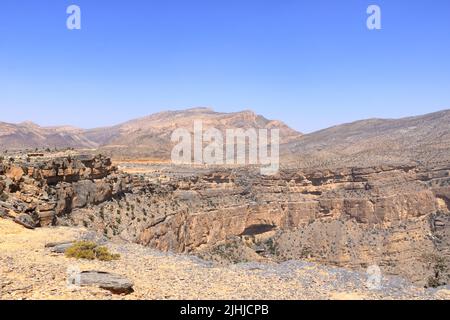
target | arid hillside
x=28, y=135
x=148, y=137
x=151, y=136
x=414, y=140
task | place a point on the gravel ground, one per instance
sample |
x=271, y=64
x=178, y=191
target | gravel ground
x=31, y=271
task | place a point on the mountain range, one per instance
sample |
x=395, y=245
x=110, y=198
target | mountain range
x=376, y=141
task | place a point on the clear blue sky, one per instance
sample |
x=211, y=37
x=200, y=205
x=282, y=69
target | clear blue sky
x=310, y=63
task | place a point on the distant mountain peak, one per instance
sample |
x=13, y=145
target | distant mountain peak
x=29, y=123
x=198, y=109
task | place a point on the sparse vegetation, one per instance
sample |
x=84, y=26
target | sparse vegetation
x=4, y=197
x=306, y=253
x=271, y=246
x=230, y=252
x=439, y=266
x=90, y=251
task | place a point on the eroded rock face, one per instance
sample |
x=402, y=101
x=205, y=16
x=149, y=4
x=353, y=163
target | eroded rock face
x=48, y=189
x=390, y=216
x=218, y=205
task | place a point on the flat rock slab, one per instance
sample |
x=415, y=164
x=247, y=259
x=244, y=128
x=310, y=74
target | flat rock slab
x=115, y=283
x=60, y=247
x=54, y=244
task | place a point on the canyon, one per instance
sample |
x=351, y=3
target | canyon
x=394, y=217
x=371, y=193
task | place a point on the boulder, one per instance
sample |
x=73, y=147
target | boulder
x=25, y=220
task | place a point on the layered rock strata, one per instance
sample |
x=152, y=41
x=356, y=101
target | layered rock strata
x=395, y=217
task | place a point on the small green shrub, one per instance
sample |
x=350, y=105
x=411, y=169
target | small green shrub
x=271, y=246
x=433, y=282
x=90, y=251
x=4, y=197
x=103, y=254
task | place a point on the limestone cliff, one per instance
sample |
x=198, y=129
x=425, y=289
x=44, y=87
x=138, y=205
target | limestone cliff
x=393, y=216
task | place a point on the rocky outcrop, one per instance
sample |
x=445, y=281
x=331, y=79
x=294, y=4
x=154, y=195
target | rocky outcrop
x=42, y=191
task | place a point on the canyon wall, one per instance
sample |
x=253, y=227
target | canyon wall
x=395, y=217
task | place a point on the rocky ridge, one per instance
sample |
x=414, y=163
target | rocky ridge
x=419, y=140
